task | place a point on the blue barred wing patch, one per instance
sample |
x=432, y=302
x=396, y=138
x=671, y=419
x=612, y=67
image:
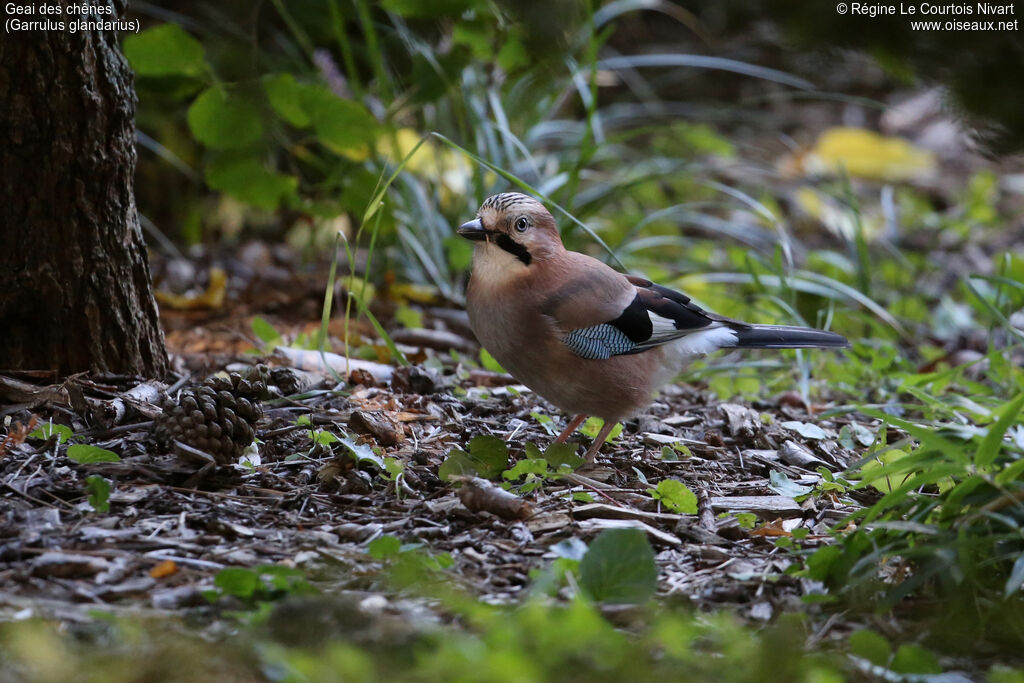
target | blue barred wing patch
x=599, y=342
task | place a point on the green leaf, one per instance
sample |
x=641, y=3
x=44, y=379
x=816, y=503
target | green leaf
x=322, y=437
x=489, y=455
x=545, y=422
x=582, y=497
x=805, y=429
x=285, y=95
x=458, y=463
x=870, y=646
x=48, y=429
x=675, y=495
x=165, y=50
x=746, y=520
x=559, y=454
x=619, y=567
x=264, y=331
x=784, y=486
x=238, y=582
x=409, y=317
x=84, y=454
x=249, y=181
x=362, y=452
x=989, y=448
x=524, y=467
x=383, y=547
x=487, y=360
x=394, y=467
x=913, y=659
x=593, y=426
x=341, y=125
x=99, y=492
x=221, y=122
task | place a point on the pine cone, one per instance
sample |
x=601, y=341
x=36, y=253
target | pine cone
x=215, y=421
x=251, y=384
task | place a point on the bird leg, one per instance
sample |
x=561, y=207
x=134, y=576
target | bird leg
x=574, y=423
x=609, y=425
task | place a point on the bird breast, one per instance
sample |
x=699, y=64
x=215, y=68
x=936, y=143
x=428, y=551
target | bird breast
x=529, y=346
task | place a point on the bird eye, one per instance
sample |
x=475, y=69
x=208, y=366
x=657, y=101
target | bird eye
x=522, y=224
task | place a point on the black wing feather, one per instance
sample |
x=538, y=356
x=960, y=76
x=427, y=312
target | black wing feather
x=655, y=315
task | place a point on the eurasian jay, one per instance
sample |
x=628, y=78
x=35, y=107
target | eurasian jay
x=589, y=339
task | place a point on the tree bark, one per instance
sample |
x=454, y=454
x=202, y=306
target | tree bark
x=75, y=288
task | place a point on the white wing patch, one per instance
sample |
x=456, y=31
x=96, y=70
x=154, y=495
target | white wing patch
x=703, y=342
x=663, y=328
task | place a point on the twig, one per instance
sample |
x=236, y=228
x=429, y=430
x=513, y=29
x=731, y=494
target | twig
x=705, y=515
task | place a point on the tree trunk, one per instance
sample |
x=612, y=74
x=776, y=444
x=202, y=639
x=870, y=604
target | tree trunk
x=75, y=290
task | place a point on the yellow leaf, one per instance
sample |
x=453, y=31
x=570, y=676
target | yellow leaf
x=866, y=154
x=212, y=298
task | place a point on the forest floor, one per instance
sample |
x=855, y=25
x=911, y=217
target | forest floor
x=316, y=503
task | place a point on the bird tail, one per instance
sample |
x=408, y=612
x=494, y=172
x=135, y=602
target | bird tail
x=786, y=337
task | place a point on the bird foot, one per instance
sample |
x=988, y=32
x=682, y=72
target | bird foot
x=574, y=423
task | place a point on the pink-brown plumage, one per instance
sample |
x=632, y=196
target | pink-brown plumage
x=587, y=338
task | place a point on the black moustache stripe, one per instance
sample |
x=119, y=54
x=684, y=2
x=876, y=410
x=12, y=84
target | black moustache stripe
x=514, y=248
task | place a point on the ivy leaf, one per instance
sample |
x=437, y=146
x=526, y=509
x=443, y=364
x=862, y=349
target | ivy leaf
x=383, y=547
x=559, y=454
x=85, y=454
x=362, y=452
x=619, y=567
x=165, y=50
x=458, y=463
x=805, y=429
x=99, y=492
x=222, y=122
x=487, y=458
x=784, y=486
x=593, y=426
x=237, y=582
x=526, y=466
x=675, y=495
x=45, y=431
x=491, y=455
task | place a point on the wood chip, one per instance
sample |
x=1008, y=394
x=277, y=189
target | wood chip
x=595, y=525
x=549, y=521
x=377, y=424
x=67, y=565
x=480, y=495
x=793, y=453
x=603, y=511
x=762, y=506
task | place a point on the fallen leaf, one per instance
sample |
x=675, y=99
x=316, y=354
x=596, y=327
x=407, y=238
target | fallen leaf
x=164, y=569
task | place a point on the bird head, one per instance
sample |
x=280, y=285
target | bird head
x=515, y=228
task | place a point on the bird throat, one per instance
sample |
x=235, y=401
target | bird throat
x=511, y=246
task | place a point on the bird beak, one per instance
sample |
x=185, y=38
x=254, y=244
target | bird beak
x=473, y=230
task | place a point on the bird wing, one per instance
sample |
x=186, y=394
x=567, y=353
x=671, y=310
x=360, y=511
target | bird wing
x=603, y=313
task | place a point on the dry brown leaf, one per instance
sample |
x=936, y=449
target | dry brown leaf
x=164, y=569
